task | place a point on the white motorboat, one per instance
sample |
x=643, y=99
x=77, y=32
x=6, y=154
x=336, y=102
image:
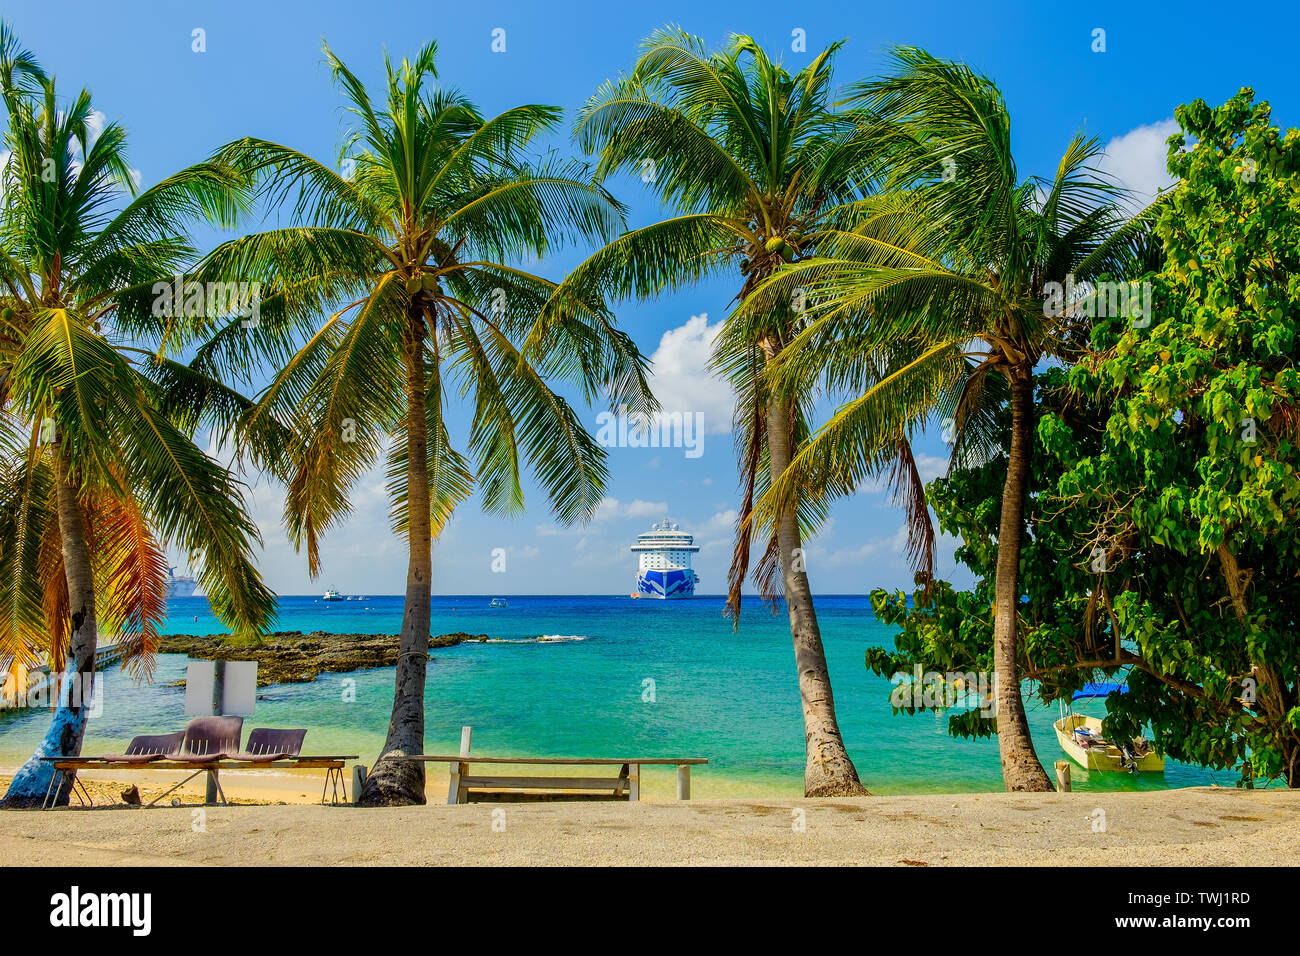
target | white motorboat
x=1082, y=740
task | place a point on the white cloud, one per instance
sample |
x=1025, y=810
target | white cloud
x=680, y=377
x=608, y=509
x=819, y=557
x=1137, y=159
x=602, y=555
x=95, y=122
x=558, y=530
x=645, y=509
x=930, y=467
x=725, y=520
x=899, y=542
x=878, y=551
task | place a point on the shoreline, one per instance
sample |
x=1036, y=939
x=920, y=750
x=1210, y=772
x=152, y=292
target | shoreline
x=1202, y=826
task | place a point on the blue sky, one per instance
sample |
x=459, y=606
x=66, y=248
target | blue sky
x=262, y=75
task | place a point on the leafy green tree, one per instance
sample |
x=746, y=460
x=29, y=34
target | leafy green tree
x=98, y=467
x=1163, y=499
x=938, y=302
x=407, y=254
x=760, y=166
x=1195, y=494
x=948, y=634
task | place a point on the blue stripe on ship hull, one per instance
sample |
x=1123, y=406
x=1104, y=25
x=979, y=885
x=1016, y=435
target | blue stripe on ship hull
x=665, y=584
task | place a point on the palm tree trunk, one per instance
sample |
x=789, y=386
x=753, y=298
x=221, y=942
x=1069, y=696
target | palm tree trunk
x=401, y=782
x=76, y=689
x=1021, y=769
x=828, y=771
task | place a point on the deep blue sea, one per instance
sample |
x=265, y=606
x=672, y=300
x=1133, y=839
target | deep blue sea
x=618, y=677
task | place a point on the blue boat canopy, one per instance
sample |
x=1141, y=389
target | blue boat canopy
x=1099, y=690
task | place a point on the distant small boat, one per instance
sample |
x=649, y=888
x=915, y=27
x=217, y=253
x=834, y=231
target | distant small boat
x=331, y=595
x=498, y=602
x=1082, y=740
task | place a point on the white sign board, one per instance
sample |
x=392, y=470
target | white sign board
x=239, y=697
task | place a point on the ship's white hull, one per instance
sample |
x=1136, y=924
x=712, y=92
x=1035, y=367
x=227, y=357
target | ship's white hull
x=178, y=588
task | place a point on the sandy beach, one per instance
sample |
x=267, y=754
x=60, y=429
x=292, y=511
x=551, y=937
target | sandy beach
x=1192, y=827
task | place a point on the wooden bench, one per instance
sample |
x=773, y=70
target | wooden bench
x=468, y=787
x=66, y=768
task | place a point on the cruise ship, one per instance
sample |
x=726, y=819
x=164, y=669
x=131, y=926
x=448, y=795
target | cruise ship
x=665, y=567
x=181, y=587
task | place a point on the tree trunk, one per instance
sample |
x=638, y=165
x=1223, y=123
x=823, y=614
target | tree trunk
x=1291, y=762
x=401, y=782
x=828, y=771
x=1021, y=768
x=76, y=690
x=1273, y=697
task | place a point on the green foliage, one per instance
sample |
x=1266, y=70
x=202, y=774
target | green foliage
x=85, y=384
x=1198, y=488
x=927, y=300
x=951, y=630
x=1164, y=500
x=763, y=167
x=408, y=251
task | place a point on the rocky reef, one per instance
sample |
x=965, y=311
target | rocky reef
x=292, y=657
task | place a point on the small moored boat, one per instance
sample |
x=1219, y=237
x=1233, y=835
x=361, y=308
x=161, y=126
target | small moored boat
x=1082, y=740
x=498, y=602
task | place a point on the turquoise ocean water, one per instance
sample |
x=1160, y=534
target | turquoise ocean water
x=731, y=697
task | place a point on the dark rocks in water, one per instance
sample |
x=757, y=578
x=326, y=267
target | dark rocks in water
x=292, y=657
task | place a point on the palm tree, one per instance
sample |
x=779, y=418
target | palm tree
x=937, y=301
x=409, y=256
x=98, y=468
x=760, y=167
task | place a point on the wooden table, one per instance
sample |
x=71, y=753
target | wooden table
x=466, y=787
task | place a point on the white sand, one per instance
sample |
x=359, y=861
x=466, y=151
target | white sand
x=1202, y=826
